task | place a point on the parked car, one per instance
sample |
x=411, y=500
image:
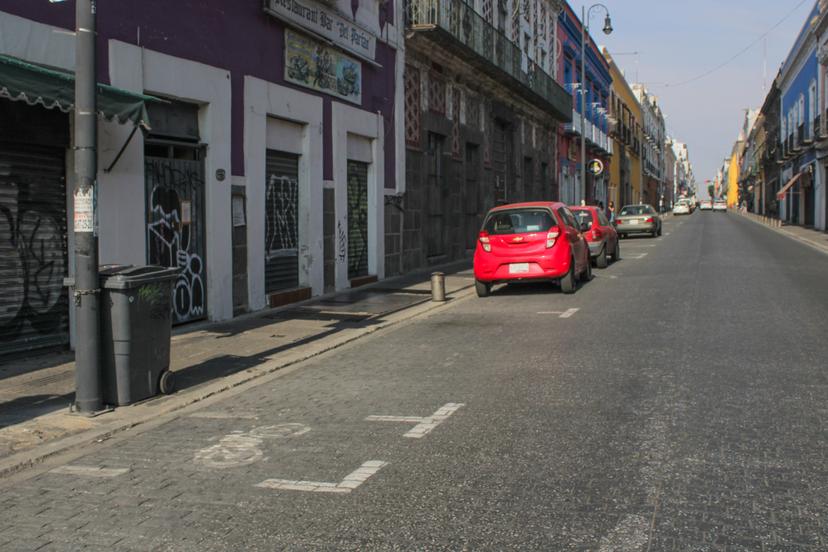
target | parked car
x=638, y=219
x=531, y=242
x=600, y=235
x=682, y=207
x=706, y=205
x=720, y=205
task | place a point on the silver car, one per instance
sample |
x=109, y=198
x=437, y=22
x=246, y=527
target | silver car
x=638, y=219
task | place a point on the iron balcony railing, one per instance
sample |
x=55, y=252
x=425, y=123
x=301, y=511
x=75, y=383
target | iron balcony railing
x=455, y=21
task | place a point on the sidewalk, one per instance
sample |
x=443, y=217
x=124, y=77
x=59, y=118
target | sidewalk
x=815, y=238
x=207, y=358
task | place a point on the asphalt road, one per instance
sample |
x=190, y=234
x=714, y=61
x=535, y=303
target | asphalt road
x=682, y=406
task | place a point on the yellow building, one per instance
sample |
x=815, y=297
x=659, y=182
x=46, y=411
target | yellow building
x=626, y=117
x=733, y=175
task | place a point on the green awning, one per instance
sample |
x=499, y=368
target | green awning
x=36, y=85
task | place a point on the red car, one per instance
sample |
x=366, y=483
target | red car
x=600, y=235
x=538, y=241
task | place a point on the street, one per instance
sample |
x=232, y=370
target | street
x=675, y=402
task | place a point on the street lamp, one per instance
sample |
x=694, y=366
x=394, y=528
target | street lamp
x=585, y=15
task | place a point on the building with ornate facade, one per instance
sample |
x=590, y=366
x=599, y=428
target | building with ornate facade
x=482, y=112
x=654, y=135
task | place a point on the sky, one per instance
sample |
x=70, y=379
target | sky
x=677, y=40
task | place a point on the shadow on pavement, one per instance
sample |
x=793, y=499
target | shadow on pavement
x=27, y=407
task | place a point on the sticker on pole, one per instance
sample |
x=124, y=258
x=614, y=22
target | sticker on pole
x=596, y=167
x=84, y=211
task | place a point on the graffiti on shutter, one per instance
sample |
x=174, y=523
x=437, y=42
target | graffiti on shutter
x=281, y=221
x=34, y=307
x=357, y=219
x=176, y=230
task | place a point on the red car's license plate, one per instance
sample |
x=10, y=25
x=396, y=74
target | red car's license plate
x=518, y=268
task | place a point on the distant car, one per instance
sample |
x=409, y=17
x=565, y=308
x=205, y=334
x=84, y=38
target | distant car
x=720, y=205
x=638, y=219
x=531, y=242
x=600, y=235
x=682, y=207
x=706, y=205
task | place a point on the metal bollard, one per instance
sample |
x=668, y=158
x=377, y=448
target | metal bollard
x=438, y=286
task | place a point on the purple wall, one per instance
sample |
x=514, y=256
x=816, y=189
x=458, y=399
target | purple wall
x=235, y=35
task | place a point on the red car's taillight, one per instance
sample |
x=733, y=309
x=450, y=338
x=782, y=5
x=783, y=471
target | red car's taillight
x=597, y=235
x=484, y=241
x=551, y=236
x=649, y=220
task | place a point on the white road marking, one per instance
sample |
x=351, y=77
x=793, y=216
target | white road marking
x=90, y=471
x=635, y=256
x=241, y=449
x=222, y=416
x=561, y=314
x=424, y=425
x=351, y=482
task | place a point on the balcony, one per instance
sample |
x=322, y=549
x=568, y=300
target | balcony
x=457, y=27
x=574, y=126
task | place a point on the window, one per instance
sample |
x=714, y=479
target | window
x=568, y=218
x=812, y=99
x=583, y=216
x=518, y=221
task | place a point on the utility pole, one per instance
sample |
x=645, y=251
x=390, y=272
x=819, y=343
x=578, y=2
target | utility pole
x=88, y=395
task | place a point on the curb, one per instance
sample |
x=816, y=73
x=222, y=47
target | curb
x=23, y=460
x=776, y=226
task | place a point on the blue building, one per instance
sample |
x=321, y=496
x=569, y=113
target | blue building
x=596, y=86
x=802, y=198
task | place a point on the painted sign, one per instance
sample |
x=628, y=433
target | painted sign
x=314, y=65
x=325, y=22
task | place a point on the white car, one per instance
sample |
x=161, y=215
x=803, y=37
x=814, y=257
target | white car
x=706, y=205
x=720, y=205
x=681, y=208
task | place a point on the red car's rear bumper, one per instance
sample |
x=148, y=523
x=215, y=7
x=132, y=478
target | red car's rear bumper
x=491, y=268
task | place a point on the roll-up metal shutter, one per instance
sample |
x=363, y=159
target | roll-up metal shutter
x=176, y=229
x=281, y=221
x=34, y=306
x=357, y=219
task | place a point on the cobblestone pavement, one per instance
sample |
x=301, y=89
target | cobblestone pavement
x=680, y=407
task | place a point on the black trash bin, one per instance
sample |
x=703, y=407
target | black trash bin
x=135, y=332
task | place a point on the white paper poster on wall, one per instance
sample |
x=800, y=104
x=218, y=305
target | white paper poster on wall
x=84, y=210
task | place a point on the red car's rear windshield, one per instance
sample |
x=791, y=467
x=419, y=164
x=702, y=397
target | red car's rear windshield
x=518, y=221
x=583, y=216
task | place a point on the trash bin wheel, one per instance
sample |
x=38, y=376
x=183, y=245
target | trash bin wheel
x=166, y=382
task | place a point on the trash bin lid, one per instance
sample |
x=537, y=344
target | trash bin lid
x=128, y=276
